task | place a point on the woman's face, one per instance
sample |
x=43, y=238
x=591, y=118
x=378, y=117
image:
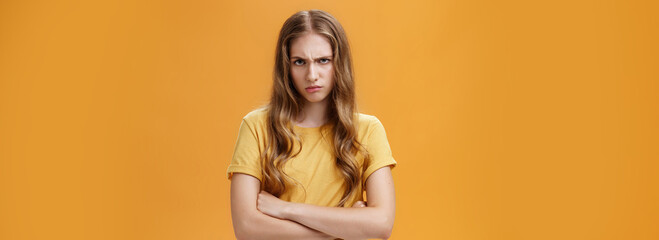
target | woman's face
x=311, y=66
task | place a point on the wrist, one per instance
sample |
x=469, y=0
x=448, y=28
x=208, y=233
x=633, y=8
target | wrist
x=289, y=210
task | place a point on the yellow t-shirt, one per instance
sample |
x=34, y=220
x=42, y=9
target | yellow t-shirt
x=314, y=167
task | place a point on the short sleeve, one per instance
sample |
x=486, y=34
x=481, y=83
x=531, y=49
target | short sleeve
x=246, y=154
x=378, y=148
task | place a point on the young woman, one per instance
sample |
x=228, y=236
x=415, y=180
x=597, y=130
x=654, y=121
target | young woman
x=302, y=162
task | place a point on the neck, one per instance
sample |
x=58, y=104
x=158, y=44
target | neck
x=314, y=114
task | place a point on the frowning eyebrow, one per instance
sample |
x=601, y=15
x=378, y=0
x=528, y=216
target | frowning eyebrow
x=323, y=57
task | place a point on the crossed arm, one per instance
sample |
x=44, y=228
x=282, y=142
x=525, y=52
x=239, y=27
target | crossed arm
x=259, y=215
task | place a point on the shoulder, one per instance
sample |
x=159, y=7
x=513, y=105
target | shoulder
x=256, y=116
x=367, y=119
x=255, y=120
x=367, y=124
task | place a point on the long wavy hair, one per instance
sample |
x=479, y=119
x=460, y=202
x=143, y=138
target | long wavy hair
x=286, y=104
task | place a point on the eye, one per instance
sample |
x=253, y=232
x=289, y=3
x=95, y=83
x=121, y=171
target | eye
x=298, y=62
x=324, y=60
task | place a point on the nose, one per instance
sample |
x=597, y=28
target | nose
x=312, y=73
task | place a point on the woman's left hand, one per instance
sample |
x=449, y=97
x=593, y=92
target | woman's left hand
x=271, y=205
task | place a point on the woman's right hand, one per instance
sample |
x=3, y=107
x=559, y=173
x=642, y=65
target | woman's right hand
x=359, y=204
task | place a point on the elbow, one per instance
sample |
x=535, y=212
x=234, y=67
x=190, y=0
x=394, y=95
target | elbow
x=385, y=228
x=242, y=231
x=385, y=233
x=240, y=236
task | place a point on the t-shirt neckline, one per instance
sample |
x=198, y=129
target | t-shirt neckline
x=309, y=129
x=306, y=127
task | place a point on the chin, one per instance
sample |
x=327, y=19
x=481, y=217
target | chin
x=314, y=100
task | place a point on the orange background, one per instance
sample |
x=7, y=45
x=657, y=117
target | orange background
x=509, y=119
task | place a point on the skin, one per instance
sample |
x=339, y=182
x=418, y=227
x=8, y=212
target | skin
x=373, y=220
x=250, y=223
x=311, y=65
x=257, y=214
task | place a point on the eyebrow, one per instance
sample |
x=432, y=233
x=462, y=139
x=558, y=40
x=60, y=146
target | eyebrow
x=296, y=57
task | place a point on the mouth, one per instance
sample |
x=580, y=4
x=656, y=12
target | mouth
x=313, y=89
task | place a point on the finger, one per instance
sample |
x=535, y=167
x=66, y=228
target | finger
x=359, y=204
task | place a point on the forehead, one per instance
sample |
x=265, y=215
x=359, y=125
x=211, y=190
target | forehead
x=310, y=45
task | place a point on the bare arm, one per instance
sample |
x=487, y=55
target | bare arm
x=373, y=221
x=249, y=223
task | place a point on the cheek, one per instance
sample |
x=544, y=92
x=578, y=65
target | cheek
x=296, y=76
x=329, y=73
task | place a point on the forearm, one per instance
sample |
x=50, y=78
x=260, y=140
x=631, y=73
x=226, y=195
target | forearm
x=347, y=223
x=261, y=226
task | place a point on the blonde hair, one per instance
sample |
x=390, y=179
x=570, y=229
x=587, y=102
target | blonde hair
x=286, y=104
